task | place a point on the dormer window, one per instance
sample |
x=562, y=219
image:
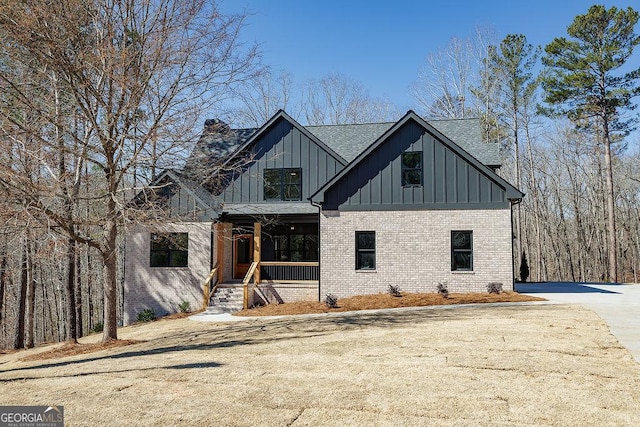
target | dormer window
x=283, y=184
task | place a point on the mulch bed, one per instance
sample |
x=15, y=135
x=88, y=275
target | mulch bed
x=377, y=301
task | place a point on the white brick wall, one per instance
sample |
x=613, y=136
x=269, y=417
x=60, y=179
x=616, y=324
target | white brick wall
x=413, y=251
x=288, y=292
x=164, y=288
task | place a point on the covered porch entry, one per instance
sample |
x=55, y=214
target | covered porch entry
x=272, y=260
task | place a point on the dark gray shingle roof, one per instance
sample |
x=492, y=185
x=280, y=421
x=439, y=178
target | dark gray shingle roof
x=351, y=140
x=218, y=141
x=467, y=134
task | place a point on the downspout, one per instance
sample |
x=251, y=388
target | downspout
x=319, y=206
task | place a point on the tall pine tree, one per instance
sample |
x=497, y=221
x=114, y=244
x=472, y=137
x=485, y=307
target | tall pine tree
x=512, y=65
x=583, y=81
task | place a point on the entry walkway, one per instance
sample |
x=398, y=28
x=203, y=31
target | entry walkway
x=616, y=304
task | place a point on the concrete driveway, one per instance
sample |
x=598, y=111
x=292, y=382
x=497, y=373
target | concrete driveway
x=617, y=304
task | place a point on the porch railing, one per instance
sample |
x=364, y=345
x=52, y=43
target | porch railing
x=209, y=287
x=289, y=272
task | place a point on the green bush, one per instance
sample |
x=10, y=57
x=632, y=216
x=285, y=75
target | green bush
x=98, y=327
x=524, y=268
x=147, y=315
x=184, y=307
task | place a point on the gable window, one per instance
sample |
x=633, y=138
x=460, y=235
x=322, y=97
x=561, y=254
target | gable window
x=169, y=250
x=462, y=251
x=412, y=169
x=365, y=250
x=282, y=184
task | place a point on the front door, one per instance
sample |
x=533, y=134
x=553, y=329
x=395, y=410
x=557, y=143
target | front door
x=243, y=255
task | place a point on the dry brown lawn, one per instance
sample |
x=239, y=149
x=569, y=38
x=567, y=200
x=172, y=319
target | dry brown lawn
x=525, y=365
x=356, y=303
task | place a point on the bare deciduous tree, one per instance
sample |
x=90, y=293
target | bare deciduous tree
x=338, y=99
x=512, y=63
x=444, y=88
x=111, y=60
x=263, y=95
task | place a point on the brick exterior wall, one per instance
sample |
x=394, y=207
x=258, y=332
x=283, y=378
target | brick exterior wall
x=413, y=251
x=277, y=293
x=164, y=288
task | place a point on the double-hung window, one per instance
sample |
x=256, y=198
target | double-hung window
x=282, y=184
x=169, y=250
x=365, y=250
x=412, y=168
x=462, y=250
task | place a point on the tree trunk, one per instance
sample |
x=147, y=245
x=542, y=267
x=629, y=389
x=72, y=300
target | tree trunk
x=516, y=154
x=536, y=207
x=3, y=276
x=611, y=212
x=109, y=256
x=22, y=299
x=78, y=292
x=43, y=307
x=72, y=332
x=90, y=297
x=31, y=298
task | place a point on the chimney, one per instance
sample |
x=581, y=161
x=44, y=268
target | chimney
x=212, y=126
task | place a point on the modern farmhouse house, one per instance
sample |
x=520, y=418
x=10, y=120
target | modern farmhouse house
x=289, y=212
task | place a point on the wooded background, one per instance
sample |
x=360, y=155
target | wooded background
x=97, y=97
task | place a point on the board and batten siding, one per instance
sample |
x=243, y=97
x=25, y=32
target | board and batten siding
x=449, y=180
x=182, y=204
x=283, y=145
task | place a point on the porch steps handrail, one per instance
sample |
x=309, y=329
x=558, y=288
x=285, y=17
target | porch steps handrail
x=245, y=284
x=210, y=286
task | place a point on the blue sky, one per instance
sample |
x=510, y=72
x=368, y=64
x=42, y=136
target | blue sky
x=382, y=44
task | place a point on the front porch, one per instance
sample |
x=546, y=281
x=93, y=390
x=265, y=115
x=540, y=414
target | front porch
x=270, y=262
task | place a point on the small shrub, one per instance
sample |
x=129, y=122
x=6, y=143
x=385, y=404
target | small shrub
x=331, y=301
x=524, y=268
x=98, y=327
x=494, y=288
x=184, y=307
x=443, y=289
x=394, y=291
x=147, y=315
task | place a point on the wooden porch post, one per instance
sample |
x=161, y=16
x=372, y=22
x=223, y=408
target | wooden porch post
x=220, y=250
x=257, y=240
